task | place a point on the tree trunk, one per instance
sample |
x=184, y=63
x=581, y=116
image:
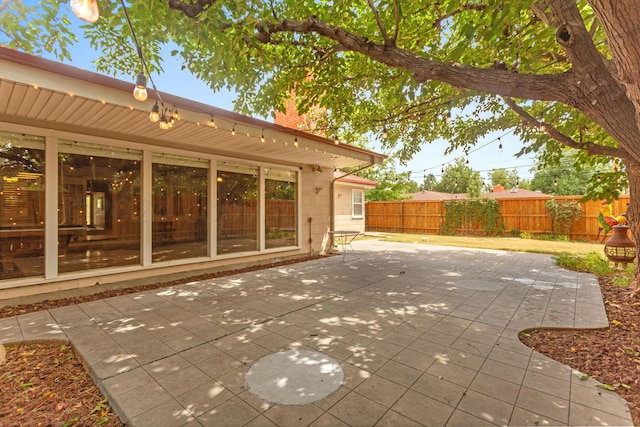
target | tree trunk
x=633, y=212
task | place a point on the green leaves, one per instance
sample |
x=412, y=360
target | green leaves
x=471, y=213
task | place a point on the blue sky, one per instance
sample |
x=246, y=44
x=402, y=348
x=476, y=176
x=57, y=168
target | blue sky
x=483, y=158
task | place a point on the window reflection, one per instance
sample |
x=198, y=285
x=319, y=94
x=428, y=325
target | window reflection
x=237, y=208
x=280, y=208
x=22, y=206
x=179, y=208
x=98, y=207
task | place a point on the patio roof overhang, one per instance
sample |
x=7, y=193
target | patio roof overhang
x=48, y=94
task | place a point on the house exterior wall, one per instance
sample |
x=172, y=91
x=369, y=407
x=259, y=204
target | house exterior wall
x=343, y=199
x=313, y=223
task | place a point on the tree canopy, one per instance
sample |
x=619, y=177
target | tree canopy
x=560, y=73
x=460, y=178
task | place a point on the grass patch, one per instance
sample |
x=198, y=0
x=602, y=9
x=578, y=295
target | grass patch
x=552, y=247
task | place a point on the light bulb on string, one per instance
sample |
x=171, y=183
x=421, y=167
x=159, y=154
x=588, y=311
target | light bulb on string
x=599, y=179
x=385, y=134
x=212, y=123
x=262, y=136
x=233, y=130
x=87, y=10
x=500, y=146
x=154, y=116
x=175, y=114
x=140, y=91
x=164, y=123
x=555, y=182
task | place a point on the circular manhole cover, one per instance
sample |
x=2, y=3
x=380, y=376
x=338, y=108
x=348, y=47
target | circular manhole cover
x=294, y=377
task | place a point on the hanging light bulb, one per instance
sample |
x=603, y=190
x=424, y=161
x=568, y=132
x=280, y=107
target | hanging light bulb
x=154, y=116
x=87, y=10
x=233, y=130
x=555, y=182
x=500, y=146
x=164, y=123
x=385, y=134
x=262, y=136
x=448, y=117
x=599, y=179
x=175, y=114
x=212, y=123
x=140, y=91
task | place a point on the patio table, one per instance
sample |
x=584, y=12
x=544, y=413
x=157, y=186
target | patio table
x=344, y=238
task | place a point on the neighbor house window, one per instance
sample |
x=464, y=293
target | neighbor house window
x=22, y=206
x=357, y=205
x=281, y=216
x=237, y=208
x=179, y=188
x=98, y=206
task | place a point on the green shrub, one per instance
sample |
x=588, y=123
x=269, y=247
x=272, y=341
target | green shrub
x=526, y=235
x=472, y=215
x=563, y=216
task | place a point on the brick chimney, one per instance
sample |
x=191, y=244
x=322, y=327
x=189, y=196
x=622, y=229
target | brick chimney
x=290, y=118
x=497, y=188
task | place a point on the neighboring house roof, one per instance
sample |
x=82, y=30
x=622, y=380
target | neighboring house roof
x=435, y=195
x=39, y=92
x=513, y=193
x=516, y=193
x=343, y=177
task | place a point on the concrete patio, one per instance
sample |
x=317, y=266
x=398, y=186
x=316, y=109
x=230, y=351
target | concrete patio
x=425, y=335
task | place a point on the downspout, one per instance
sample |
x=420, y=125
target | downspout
x=332, y=203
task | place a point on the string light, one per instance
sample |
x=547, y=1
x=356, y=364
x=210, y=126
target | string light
x=87, y=10
x=500, y=146
x=262, y=136
x=154, y=116
x=385, y=134
x=140, y=90
x=233, y=130
x=212, y=123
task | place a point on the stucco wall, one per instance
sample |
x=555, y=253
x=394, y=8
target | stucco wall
x=343, y=217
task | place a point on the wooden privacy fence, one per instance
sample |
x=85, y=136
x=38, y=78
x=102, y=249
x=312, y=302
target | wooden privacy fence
x=519, y=215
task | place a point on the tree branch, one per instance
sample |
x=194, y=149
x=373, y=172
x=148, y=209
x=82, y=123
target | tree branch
x=548, y=87
x=590, y=147
x=463, y=8
x=396, y=11
x=383, y=31
x=192, y=10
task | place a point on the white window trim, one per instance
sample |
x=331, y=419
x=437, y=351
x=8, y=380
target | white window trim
x=353, y=204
